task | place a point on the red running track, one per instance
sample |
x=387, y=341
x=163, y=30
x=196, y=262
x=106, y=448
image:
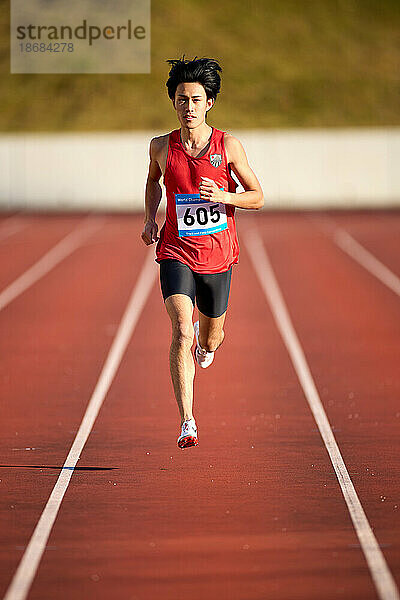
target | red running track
x=256, y=510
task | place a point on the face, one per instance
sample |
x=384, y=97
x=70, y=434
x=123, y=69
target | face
x=191, y=104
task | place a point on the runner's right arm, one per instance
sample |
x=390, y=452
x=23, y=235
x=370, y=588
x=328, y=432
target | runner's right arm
x=153, y=196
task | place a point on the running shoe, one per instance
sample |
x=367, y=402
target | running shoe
x=203, y=358
x=188, y=435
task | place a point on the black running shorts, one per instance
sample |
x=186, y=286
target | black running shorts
x=209, y=290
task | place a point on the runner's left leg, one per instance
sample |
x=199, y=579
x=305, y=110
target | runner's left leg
x=212, y=294
x=211, y=331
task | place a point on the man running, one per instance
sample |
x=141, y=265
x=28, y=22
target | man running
x=198, y=243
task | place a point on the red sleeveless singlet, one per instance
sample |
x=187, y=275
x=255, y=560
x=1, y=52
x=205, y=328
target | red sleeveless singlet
x=212, y=252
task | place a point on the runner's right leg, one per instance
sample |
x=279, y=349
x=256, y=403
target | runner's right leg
x=180, y=310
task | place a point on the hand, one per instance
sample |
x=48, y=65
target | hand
x=210, y=191
x=149, y=233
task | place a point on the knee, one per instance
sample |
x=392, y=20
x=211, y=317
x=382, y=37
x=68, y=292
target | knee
x=183, y=333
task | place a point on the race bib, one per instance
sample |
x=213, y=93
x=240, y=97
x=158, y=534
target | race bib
x=199, y=217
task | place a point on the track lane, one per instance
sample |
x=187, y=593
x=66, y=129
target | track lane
x=378, y=232
x=9, y=226
x=355, y=361
x=380, y=573
x=250, y=517
x=51, y=259
x=19, y=252
x=57, y=335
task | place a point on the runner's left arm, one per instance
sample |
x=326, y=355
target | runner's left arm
x=252, y=197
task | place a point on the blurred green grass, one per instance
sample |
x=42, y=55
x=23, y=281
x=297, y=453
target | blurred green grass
x=288, y=63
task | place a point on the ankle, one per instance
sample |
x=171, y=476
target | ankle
x=187, y=418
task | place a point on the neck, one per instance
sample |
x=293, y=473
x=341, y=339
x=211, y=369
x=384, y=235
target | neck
x=196, y=137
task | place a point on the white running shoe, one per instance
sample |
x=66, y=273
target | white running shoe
x=188, y=435
x=203, y=358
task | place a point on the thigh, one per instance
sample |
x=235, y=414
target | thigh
x=212, y=293
x=180, y=311
x=176, y=278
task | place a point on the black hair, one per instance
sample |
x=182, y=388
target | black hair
x=201, y=70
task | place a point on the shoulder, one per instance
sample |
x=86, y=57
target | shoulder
x=233, y=147
x=158, y=144
x=231, y=141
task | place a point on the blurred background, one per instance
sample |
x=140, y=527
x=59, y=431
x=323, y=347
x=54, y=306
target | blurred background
x=311, y=89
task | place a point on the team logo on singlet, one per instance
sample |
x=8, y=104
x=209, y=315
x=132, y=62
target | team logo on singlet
x=215, y=159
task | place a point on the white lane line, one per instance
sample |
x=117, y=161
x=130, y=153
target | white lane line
x=360, y=254
x=49, y=260
x=10, y=226
x=381, y=575
x=26, y=571
x=356, y=251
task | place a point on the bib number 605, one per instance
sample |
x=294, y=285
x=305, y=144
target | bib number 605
x=201, y=216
